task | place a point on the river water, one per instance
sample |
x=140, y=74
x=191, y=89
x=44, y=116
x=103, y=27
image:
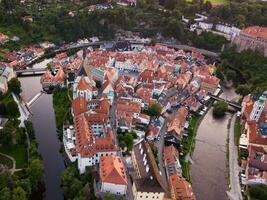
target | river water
x=44, y=124
x=209, y=171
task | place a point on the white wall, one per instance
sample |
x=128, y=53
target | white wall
x=113, y=188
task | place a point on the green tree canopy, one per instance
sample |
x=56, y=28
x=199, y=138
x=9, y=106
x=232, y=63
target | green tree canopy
x=71, y=185
x=154, y=110
x=5, y=194
x=14, y=86
x=19, y=194
x=35, y=171
x=219, y=109
x=243, y=89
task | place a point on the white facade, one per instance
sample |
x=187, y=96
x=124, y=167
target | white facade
x=126, y=66
x=84, y=162
x=112, y=188
x=147, y=195
x=69, y=142
x=86, y=94
x=257, y=110
x=205, y=26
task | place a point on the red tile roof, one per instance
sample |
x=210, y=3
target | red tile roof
x=180, y=188
x=79, y=106
x=112, y=170
x=255, y=31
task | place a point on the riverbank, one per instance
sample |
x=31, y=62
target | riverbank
x=44, y=123
x=188, y=146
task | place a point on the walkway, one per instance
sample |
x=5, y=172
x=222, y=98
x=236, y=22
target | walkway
x=24, y=114
x=13, y=169
x=235, y=191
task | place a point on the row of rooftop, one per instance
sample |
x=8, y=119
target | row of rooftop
x=132, y=81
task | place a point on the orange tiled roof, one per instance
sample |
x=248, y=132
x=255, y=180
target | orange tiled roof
x=170, y=154
x=180, y=188
x=256, y=31
x=83, y=85
x=79, y=105
x=112, y=170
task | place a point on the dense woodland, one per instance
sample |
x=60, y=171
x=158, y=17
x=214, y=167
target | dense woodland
x=246, y=69
x=51, y=20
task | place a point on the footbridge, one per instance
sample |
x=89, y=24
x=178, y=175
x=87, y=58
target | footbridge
x=230, y=103
x=30, y=72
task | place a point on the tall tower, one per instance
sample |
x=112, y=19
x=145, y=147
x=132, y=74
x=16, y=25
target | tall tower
x=258, y=107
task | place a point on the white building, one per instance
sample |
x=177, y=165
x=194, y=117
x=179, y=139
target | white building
x=258, y=107
x=88, y=148
x=84, y=87
x=6, y=74
x=113, y=175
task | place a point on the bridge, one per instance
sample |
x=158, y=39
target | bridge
x=30, y=71
x=230, y=103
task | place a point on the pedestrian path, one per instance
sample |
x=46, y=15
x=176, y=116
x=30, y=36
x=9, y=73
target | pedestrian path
x=13, y=169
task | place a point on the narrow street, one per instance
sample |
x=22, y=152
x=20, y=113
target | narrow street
x=235, y=191
x=160, y=145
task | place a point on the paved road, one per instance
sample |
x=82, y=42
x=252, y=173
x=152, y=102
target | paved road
x=160, y=145
x=235, y=191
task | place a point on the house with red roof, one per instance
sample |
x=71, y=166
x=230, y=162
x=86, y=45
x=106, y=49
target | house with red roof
x=85, y=88
x=209, y=83
x=176, y=126
x=180, y=188
x=56, y=78
x=113, y=175
x=108, y=89
x=85, y=147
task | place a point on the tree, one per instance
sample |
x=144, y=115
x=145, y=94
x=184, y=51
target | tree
x=5, y=194
x=154, y=110
x=3, y=111
x=19, y=194
x=128, y=139
x=231, y=74
x=14, y=86
x=219, y=109
x=98, y=84
x=170, y=4
x=25, y=184
x=243, y=89
x=35, y=171
x=30, y=129
x=12, y=109
x=173, y=28
x=71, y=185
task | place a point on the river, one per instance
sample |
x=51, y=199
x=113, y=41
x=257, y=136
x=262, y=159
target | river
x=44, y=124
x=209, y=171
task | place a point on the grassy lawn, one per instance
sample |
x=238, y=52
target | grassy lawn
x=6, y=161
x=189, y=144
x=237, y=131
x=18, y=152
